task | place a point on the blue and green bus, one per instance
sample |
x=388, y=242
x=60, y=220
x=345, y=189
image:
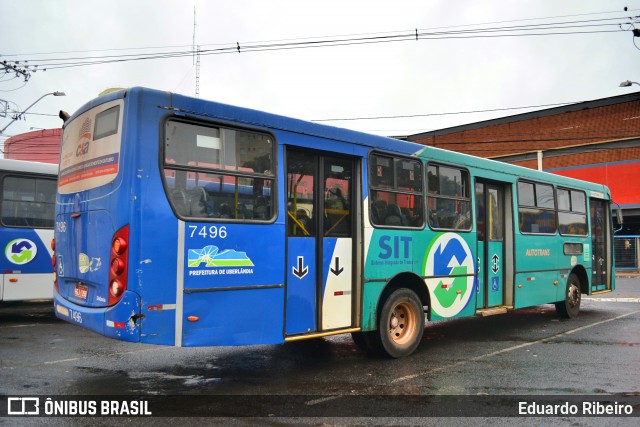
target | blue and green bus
x=185, y=222
x=27, y=204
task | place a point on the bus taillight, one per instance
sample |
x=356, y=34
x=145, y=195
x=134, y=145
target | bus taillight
x=117, y=266
x=116, y=289
x=53, y=263
x=118, y=263
x=119, y=245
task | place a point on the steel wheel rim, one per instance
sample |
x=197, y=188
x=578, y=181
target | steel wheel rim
x=402, y=323
x=573, y=296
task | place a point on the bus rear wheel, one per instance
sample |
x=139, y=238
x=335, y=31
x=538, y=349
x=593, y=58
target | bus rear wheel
x=570, y=307
x=401, y=324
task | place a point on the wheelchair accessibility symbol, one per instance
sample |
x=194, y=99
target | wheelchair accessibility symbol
x=495, y=283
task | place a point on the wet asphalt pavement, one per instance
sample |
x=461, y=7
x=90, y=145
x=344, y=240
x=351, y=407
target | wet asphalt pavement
x=329, y=381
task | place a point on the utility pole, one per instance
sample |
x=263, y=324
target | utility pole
x=15, y=68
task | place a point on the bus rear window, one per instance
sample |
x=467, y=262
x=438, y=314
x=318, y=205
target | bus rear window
x=106, y=123
x=214, y=172
x=90, y=151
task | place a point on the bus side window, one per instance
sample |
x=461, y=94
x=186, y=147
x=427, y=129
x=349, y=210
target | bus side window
x=395, y=216
x=218, y=173
x=449, y=203
x=25, y=202
x=396, y=196
x=179, y=202
x=378, y=210
x=198, y=203
x=261, y=209
x=536, y=208
x=193, y=202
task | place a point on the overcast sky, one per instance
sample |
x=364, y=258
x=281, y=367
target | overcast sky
x=424, y=78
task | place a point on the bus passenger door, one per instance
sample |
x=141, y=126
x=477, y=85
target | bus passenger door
x=337, y=243
x=490, y=220
x=600, y=245
x=319, y=286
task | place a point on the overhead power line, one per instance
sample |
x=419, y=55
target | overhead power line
x=631, y=11
x=590, y=26
x=407, y=116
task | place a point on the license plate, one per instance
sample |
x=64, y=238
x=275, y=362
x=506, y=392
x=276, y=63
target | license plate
x=81, y=291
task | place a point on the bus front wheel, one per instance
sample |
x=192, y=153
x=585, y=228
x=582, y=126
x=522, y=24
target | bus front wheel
x=401, y=324
x=570, y=307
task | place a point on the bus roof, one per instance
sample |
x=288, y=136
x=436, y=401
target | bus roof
x=27, y=166
x=246, y=116
x=497, y=167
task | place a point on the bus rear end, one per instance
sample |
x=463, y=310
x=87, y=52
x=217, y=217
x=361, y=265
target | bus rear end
x=91, y=229
x=165, y=223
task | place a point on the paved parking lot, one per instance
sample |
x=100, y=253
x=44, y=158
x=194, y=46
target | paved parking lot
x=478, y=361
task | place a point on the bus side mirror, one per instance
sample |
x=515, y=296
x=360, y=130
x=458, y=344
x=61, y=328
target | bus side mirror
x=619, y=217
x=64, y=116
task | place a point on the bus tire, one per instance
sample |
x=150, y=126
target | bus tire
x=365, y=341
x=570, y=307
x=400, y=324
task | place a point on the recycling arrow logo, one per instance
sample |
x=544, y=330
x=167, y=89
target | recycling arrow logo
x=449, y=268
x=20, y=251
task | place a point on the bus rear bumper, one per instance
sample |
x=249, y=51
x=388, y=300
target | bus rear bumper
x=118, y=321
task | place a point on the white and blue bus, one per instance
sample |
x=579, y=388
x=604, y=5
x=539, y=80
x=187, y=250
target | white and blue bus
x=186, y=222
x=27, y=206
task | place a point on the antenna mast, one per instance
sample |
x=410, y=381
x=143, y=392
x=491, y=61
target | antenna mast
x=196, y=54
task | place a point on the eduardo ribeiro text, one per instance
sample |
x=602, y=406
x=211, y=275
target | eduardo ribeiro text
x=587, y=408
